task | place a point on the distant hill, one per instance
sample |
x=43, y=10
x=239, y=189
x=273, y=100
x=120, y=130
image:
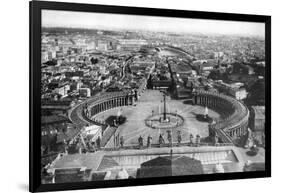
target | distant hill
x=63, y=30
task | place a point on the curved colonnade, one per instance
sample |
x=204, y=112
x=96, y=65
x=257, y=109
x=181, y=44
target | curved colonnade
x=82, y=113
x=108, y=101
x=234, y=121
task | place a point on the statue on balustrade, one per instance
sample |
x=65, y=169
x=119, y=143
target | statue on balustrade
x=140, y=140
x=179, y=137
x=198, y=140
x=98, y=142
x=149, y=140
x=161, y=140
x=191, y=139
x=169, y=137
x=121, y=141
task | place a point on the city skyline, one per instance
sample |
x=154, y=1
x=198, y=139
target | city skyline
x=71, y=19
x=121, y=103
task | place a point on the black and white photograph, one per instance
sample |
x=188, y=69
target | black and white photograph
x=128, y=96
x=140, y=96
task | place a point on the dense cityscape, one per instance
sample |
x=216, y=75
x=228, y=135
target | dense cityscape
x=120, y=104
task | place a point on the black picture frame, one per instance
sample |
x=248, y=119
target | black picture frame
x=35, y=8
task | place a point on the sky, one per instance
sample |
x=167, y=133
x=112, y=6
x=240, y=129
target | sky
x=54, y=18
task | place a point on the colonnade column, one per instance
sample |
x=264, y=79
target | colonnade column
x=126, y=100
x=112, y=103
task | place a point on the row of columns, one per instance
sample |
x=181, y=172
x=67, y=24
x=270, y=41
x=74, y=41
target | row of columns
x=206, y=100
x=237, y=132
x=209, y=101
x=214, y=102
x=112, y=103
x=220, y=102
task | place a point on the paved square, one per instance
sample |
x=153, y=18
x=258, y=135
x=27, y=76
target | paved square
x=151, y=100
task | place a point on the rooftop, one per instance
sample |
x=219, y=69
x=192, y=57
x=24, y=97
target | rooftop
x=53, y=119
x=259, y=112
x=88, y=161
